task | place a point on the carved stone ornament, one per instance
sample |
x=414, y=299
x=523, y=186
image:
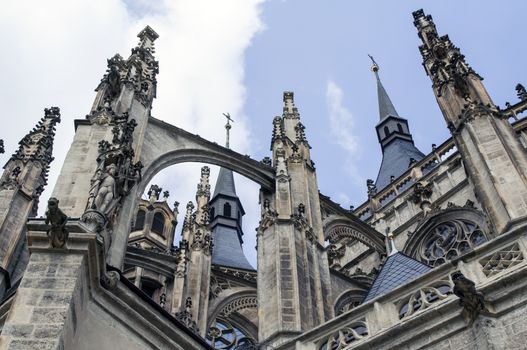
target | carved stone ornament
x=421, y=195
x=185, y=316
x=268, y=218
x=472, y=301
x=204, y=186
x=35, y=147
x=521, y=92
x=153, y=193
x=203, y=241
x=109, y=279
x=2, y=150
x=57, y=233
x=11, y=181
x=94, y=220
x=342, y=338
x=116, y=173
x=181, y=259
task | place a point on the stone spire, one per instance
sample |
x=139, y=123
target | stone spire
x=35, y=147
x=478, y=128
x=394, y=135
x=25, y=175
x=386, y=107
x=226, y=218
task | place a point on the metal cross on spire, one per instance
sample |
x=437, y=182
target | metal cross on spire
x=228, y=127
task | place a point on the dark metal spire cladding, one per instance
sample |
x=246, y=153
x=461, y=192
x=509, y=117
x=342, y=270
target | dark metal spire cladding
x=386, y=107
x=226, y=218
x=394, y=135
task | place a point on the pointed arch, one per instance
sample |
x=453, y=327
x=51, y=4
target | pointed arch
x=447, y=234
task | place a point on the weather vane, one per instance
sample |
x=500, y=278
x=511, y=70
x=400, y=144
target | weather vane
x=228, y=127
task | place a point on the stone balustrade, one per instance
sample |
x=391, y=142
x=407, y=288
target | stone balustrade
x=428, y=302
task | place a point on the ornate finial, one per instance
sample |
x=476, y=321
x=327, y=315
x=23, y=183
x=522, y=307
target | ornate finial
x=166, y=194
x=374, y=66
x=228, y=128
x=2, y=150
x=148, y=33
x=204, y=186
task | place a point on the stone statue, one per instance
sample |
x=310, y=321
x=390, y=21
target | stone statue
x=104, y=191
x=57, y=233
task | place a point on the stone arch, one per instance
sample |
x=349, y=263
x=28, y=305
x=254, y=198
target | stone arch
x=338, y=228
x=236, y=301
x=447, y=234
x=165, y=145
x=348, y=299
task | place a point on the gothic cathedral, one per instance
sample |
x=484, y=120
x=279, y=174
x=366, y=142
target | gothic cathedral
x=434, y=259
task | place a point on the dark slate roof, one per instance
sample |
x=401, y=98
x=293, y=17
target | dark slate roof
x=225, y=183
x=398, y=269
x=386, y=107
x=395, y=160
x=227, y=250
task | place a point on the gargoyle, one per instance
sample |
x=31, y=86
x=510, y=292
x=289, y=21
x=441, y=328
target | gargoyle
x=473, y=302
x=57, y=233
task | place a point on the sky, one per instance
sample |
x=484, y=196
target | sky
x=238, y=56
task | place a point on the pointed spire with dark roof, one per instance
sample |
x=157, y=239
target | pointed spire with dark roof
x=386, y=107
x=226, y=219
x=394, y=135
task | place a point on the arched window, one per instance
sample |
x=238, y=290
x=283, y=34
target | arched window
x=227, y=210
x=140, y=220
x=158, y=224
x=348, y=301
x=447, y=234
x=226, y=336
x=400, y=128
x=386, y=131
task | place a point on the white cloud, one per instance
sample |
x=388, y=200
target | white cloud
x=340, y=118
x=55, y=54
x=341, y=122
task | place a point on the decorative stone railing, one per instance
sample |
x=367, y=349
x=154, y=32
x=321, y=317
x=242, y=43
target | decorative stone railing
x=493, y=266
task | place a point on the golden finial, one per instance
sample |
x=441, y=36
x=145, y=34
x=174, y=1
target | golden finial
x=374, y=66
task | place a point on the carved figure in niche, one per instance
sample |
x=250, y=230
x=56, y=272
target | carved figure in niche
x=105, y=190
x=57, y=233
x=473, y=302
x=460, y=80
x=113, y=80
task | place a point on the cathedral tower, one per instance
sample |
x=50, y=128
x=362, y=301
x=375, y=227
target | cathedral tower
x=492, y=154
x=293, y=272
